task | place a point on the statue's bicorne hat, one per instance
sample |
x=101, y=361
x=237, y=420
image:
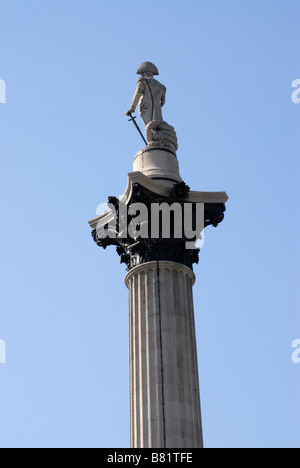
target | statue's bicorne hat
x=147, y=67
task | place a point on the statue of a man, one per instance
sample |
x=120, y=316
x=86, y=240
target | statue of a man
x=150, y=94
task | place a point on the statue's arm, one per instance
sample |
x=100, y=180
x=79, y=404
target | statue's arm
x=137, y=96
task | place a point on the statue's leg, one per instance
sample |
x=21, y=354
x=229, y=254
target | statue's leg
x=146, y=115
x=157, y=112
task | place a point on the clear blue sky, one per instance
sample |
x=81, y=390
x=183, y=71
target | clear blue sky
x=70, y=70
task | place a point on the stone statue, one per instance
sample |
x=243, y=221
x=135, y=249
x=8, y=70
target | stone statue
x=150, y=94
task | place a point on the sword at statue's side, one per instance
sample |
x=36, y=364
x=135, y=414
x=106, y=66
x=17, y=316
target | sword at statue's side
x=136, y=126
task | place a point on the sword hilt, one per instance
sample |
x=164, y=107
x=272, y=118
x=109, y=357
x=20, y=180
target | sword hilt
x=132, y=117
x=137, y=127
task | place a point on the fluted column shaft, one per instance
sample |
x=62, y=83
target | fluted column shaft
x=164, y=385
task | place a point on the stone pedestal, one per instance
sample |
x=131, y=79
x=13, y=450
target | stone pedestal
x=158, y=164
x=164, y=384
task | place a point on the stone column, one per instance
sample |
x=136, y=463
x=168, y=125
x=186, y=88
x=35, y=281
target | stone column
x=164, y=388
x=164, y=385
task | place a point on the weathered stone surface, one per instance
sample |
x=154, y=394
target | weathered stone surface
x=164, y=385
x=160, y=134
x=158, y=164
